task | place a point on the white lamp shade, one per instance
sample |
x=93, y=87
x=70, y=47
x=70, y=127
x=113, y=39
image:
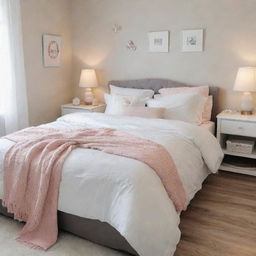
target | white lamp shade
x=88, y=78
x=246, y=80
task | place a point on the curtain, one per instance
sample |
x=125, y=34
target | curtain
x=13, y=95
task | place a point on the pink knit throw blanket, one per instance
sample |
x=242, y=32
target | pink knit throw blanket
x=32, y=173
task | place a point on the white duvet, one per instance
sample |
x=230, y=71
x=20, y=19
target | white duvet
x=127, y=193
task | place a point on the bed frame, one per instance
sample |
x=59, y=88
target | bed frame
x=100, y=232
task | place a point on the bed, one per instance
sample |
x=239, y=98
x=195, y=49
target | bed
x=133, y=233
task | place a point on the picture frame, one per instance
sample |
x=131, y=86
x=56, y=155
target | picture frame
x=192, y=40
x=158, y=41
x=52, y=49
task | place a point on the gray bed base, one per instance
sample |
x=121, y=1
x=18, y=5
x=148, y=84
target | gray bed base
x=93, y=230
x=100, y=232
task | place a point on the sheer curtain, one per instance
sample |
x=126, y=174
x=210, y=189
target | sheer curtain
x=13, y=95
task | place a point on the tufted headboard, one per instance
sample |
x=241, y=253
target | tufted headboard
x=157, y=84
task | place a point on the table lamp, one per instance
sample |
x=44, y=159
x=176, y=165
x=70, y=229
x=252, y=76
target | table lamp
x=88, y=80
x=246, y=83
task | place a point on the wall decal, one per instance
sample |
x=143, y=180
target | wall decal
x=159, y=41
x=51, y=51
x=131, y=46
x=117, y=28
x=192, y=40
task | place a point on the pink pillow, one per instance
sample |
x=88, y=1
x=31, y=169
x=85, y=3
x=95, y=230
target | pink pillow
x=203, y=90
x=207, y=113
x=145, y=112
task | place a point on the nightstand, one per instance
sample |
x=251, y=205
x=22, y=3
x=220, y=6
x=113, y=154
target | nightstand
x=242, y=127
x=70, y=108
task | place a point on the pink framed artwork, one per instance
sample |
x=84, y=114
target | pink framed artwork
x=51, y=51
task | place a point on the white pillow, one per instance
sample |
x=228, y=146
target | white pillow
x=138, y=111
x=157, y=96
x=115, y=103
x=142, y=93
x=184, y=107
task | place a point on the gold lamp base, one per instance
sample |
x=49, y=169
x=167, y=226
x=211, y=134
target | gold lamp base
x=246, y=113
x=88, y=96
x=88, y=103
x=247, y=106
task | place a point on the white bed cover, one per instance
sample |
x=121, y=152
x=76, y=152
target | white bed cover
x=210, y=126
x=127, y=193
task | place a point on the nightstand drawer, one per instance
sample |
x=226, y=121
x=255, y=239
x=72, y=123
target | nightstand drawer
x=66, y=111
x=238, y=128
x=69, y=109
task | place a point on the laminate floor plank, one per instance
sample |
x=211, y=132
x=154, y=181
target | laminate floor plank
x=221, y=219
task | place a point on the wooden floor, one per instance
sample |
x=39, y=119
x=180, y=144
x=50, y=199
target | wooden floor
x=221, y=220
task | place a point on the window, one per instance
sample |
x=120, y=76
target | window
x=2, y=86
x=5, y=62
x=13, y=98
x=1, y=61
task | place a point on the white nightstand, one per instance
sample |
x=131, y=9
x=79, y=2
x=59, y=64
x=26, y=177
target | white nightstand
x=70, y=108
x=234, y=125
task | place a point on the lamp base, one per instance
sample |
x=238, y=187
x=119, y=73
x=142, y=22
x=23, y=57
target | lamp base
x=246, y=113
x=88, y=96
x=88, y=103
x=247, y=104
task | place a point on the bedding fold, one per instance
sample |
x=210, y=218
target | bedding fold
x=33, y=165
x=202, y=139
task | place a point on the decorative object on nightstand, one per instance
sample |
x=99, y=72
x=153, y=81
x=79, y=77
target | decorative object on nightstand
x=76, y=101
x=88, y=80
x=246, y=83
x=236, y=134
x=70, y=108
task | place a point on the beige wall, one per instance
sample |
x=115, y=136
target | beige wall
x=230, y=36
x=47, y=88
x=229, y=43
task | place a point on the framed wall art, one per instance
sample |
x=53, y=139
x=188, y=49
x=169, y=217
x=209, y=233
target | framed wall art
x=51, y=51
x=159, y=41
x=192, y=40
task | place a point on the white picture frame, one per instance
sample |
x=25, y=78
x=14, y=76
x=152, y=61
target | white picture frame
x=192, y=40
x=52, y=50
x=158, y=41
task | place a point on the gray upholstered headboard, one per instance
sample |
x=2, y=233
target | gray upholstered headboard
x=157, y=84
